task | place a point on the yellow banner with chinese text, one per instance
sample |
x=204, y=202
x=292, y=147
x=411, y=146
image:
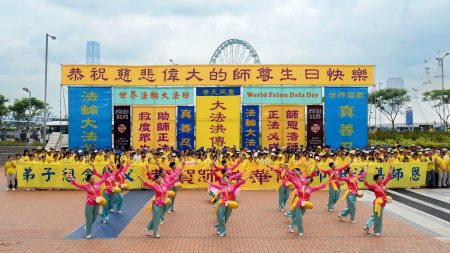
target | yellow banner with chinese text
x=164, y=128
x=54, y=175
x=224, y=75
x=218, y=121
x=293, y=124
x=154, y=126
x=283, y=125
x=271, y=129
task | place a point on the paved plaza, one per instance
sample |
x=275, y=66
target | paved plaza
x=38, y=221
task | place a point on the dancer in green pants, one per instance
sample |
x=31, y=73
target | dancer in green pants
x=379, y=188
x=283, y=190
x=304, y=191
x=160, y=189
x=333, y=187
x=93, y=191
x=350, y=195
x=227, y=191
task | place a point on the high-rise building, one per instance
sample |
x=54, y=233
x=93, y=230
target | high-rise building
x=92, y=52
x=395, y=82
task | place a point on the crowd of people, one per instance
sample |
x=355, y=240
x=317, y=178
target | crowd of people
x=437, y=159
x=22, y=135
x=295, y=187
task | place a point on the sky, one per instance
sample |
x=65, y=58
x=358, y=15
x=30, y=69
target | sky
x=396, y=36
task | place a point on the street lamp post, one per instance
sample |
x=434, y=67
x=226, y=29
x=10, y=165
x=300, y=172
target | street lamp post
x=44, y=132
x=29, y=114
x=441, y=62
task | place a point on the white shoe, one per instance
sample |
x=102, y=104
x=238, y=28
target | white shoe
x=161, y=222
x=291, y=228
x=300, y=234
x=377, y=234
x=330, y=210
x=119, y=211
x=282, y=209
x=111, y=210
x=222, y=235
x=169, y=211
x=7, y=189
x=88, y=236
x=104, y=221
x=157, y=236
x=340, y=217
x=147, y=231
x=353, y=221
x=286, y=214
x=366, y=229
x=14, y=189
x=173, y=210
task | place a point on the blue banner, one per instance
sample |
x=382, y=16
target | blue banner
x=409, y=117
x=346, y=117
x=185, y=127
x=250, y=126
x=90, y=117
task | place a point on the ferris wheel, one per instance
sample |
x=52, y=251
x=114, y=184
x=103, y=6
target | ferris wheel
x=234, y=51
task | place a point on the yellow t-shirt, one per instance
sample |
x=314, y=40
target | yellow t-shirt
x=431, y=163
x=441, y=163
x=448, y=165
x=49, y=158
x=24, y=159
x=10, y=167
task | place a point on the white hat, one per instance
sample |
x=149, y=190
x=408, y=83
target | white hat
x=316, y=158
x=163, y=156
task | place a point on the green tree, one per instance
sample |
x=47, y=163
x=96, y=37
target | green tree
x=21, y=111
x=3, y=108
x=439, y=100
x=390, y=102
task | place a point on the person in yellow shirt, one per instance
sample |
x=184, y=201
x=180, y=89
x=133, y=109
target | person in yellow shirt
x=99, y=156
x=431, y=169
x=415, y=158
x=68, y=159
x=10, y=173
x=143, y=162
x=441, y=167
x=279, y=161
x=49, y=156
x=79, y=158
x=31, y=159
x=307, y=164
x=264, y=161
